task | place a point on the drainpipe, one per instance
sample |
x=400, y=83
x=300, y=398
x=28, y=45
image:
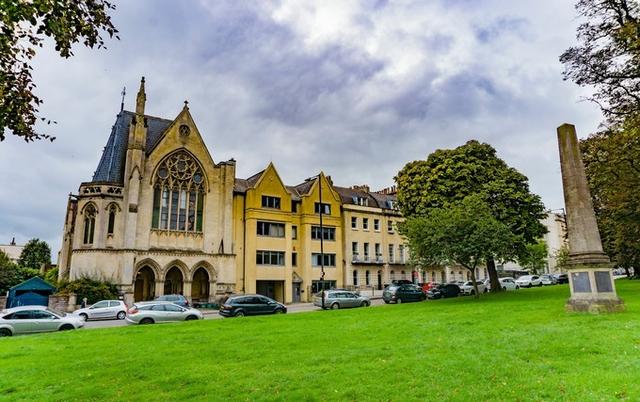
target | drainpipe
x=244, y=242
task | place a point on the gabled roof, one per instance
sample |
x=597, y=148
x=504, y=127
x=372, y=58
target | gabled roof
x=35, y=283
x=111, y=166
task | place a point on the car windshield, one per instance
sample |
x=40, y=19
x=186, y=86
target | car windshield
x=393, y=287
x=56, y=312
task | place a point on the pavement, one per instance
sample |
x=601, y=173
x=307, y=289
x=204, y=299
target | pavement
x=213, y=314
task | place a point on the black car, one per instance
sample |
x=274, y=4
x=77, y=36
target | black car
x=443, y=291
x=402, y=293
x=563, y=278
x=241, y=305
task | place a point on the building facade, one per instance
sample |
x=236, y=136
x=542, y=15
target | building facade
x=157, y=216
x=161, y=217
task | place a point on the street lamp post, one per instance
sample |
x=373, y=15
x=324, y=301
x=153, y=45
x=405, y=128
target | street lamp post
x=321, y=207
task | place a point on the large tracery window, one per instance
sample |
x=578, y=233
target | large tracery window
x=178, y=198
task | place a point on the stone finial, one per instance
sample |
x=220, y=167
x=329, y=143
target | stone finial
x=141, y=98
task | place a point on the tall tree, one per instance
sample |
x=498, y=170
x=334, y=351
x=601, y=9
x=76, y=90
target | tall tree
x=535, y=258
x=35, y=253
x=608, y=55
x=612, y=164
x=450, y=175
x=462, y=232
x=24, y=26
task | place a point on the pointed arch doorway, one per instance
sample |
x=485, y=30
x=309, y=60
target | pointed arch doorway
x=145, y=284
x=173, y=281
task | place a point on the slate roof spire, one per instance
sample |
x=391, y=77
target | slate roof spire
x=141, y=98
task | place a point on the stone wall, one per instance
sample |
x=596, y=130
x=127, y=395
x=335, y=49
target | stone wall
x=66, y=303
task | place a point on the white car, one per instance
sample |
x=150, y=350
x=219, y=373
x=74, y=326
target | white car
x=509, y=284
x=527, y=281
x=104, y=309
x=31, y=319
x=468, y=289
x=548, y=279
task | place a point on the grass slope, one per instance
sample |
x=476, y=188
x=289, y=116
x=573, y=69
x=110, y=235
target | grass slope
x=515, y=346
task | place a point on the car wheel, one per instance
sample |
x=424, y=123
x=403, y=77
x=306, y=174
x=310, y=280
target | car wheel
x=121, y=315
x=517, y=287
x=473, y=292
x=485, y=290
x=83, y=316
x=399, y=301
x=239, y=313
x=540, y=285
x=5, y=332
x=386, y=302
x=191, y=318
x=335, y=306
x=504, y=288
x=146, y=320
x=66, y=327
x=279, y=311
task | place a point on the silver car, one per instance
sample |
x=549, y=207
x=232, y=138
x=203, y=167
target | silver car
x=158, y=312
x=335, y=299
x=104, y=309
x=31, y=319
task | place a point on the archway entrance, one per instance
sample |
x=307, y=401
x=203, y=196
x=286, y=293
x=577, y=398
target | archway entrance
x=200, y=285
x=145, y=285
x=173, y=282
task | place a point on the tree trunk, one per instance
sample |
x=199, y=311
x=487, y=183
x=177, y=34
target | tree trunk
x=493, y=275
x=475, y=285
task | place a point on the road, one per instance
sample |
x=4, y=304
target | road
x=213, y=314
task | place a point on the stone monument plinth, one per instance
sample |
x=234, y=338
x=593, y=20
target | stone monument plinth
x=590, y=270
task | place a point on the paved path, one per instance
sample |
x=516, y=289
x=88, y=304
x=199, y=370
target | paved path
x=213, y=314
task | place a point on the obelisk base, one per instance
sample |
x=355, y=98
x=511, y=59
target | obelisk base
x=593, y=289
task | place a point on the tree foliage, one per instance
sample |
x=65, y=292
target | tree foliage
x=24, y=26
x=535, y=259
x=11, y=274
x=612, y=164
x=463, y=232
x=608, y=55
x=35, y=253
x=94, y=290
x=450, y=175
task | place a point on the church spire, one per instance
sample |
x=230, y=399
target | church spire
x=141, y=99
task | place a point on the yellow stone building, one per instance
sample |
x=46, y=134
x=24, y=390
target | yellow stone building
x=277, y=236
x=161, y=217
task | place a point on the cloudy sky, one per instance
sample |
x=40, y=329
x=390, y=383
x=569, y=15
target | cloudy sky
x=353, y=88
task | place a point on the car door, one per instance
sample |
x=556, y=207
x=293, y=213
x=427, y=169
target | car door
x=22, y=322
x=174, y=312
x=114, y=308
x=99, y=310
x=45, y=321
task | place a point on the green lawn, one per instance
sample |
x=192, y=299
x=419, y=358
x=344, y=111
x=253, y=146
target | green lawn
x=516, y=346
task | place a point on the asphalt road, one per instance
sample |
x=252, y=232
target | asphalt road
x=213, y=314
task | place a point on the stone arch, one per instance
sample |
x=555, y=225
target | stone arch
x=184, y=269
x=89, y=204
x=144, y=280
x=155, y=267
x=211, y=271
x=113, y=204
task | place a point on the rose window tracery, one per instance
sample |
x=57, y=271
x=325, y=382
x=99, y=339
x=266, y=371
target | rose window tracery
x=178, y=194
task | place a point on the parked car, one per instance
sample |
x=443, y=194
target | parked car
x=442, y=291
x=104, y=309
x=159, y=312
x=562, y=278
x=336, y=299
x=31, y=319
x=180, y=300
x=527, y=281
x=241, y=305
x=508, y=284
x=401, y=282
x=548, y=279
x=403, y=293
x=468, y=289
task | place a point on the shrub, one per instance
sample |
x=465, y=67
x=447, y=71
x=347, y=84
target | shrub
x=94, y=290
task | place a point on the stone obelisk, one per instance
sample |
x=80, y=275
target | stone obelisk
x=590, y=276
